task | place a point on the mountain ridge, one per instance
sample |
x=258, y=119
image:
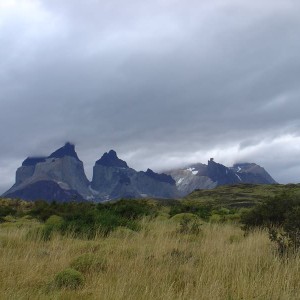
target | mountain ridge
x=62, y=173
x=212, y=175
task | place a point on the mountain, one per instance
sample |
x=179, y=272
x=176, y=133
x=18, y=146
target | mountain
x=113, y=179
x=45, y=190
x=201, y=176
x=60, y=176
x=252, y=173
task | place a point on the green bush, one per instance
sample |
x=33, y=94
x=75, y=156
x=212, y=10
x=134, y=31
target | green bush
x=89, y=262
x=55, y=222
x=271, y=212
x=201, y=210
x=6, y=211
x=281, y=216
x=215, y=218
x=86, y=220
x=185, y=216
x=69, y=278
x=130, y=209
x=189, y=223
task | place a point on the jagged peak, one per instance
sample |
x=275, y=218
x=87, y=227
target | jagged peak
x=244, y=164
x=67, y=150
x=32, y=161
x=160, y=177
x=110, y=159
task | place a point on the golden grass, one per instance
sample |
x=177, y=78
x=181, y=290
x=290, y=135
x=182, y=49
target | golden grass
x=155, y=263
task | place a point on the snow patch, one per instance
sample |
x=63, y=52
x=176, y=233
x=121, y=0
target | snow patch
x=238, y=177
x=192, y=170
x=179, y=181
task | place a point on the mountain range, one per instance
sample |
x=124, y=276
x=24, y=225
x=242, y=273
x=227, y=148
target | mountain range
x=61, y=177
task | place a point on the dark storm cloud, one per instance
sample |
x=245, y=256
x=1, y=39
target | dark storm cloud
x=164, y=83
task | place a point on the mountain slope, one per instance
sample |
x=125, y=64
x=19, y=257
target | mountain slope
x=201, y=176
x=113, y=179
x=62, y=172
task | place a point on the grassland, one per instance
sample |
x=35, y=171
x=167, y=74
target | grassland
x=241, y=195
x=158, y=260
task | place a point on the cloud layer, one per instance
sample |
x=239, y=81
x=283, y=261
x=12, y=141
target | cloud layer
x=164, y=82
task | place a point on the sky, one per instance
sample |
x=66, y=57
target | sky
x=165, y=83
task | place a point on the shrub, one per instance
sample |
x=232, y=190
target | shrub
x=130, y=209
x=201, y=210
x=86, y=220
x=292, y=226
x=6, y=211
x=89, y=262
x=69, y=278
x=55, y=222
x=215, y=218
x=189, y=224
x=185, y=216
x=271, y=212
x=281, y=216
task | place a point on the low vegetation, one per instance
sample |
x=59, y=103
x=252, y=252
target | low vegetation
x=146, y=249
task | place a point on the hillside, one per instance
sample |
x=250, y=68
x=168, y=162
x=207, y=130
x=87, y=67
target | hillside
x=241, y=195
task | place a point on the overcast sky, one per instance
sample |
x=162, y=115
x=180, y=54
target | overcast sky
x=163, y=82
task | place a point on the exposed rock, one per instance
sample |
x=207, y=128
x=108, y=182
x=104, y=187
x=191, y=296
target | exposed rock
x=61, y=176
x=160, y=177
x=113, y=179
x=111, y=159
x=201, y=176
x=32, y=161
x=187, y=182
x=221, y=174
x=252, y=173
x=67, y=150
x=62, y=167
x=45, y=190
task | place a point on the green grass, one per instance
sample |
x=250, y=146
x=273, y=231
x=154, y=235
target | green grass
x=158, y=262
x=242, y=195
x=164, y=256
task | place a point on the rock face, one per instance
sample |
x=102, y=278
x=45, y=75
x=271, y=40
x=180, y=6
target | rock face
x=201, y=176
x=252, y=173
x=113, y=179
x=45, y=190
x=60, y=176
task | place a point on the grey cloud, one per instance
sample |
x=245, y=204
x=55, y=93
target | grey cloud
x=163, y=83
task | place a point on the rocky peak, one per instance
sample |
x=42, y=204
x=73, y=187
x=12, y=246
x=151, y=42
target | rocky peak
x=243, y=165
x=67, y=150
x=160, y=177
x=220, y=174
x=253, y=173
x=110, y=159
x=32, y=161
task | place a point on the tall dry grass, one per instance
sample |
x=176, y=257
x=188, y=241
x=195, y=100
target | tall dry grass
x=155, y=263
